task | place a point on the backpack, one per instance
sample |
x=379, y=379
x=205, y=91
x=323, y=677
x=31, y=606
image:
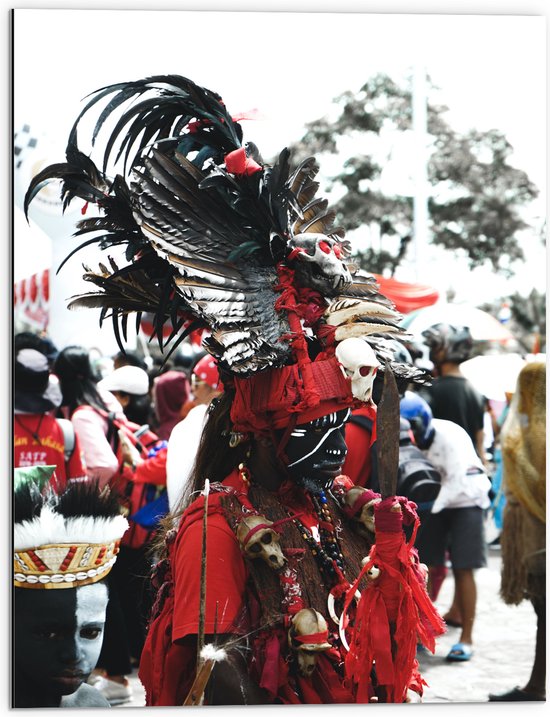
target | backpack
x=69, y=440
x=417, y=478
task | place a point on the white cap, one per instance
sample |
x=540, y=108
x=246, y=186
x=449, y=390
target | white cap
x=130, y=379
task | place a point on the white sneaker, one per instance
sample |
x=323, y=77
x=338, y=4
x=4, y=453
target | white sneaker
x=93, y=678
x=114, y=692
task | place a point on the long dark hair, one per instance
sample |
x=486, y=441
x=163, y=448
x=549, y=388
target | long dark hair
x=77, y=379
x=214, y=460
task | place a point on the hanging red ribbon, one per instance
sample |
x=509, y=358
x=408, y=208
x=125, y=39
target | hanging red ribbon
x=394, y=611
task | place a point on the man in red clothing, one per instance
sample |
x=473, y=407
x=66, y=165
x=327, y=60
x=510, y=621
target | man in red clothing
x=221, y=241
x=38, y=437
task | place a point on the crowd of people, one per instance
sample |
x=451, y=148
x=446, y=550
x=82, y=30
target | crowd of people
x=64, y=410
x=270, y=521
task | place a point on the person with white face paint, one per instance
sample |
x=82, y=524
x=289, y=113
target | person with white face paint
x=58, y=636
x=64, y=546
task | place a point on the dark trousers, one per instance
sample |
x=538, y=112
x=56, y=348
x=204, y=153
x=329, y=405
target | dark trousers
x=127, y=611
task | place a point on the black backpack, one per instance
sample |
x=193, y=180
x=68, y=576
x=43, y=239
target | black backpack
x=417, y=478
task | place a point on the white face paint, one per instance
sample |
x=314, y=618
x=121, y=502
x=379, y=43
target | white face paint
x=58, y=636
x=316, y=451
x=332, y=422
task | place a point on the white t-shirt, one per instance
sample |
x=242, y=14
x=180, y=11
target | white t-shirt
x=183, y=445
x=464, y=483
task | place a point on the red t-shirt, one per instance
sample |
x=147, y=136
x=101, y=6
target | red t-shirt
x=358, y=464
x=48, y=450
x=226, y=575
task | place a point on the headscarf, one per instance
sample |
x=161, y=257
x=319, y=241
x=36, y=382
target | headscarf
x=170, y=392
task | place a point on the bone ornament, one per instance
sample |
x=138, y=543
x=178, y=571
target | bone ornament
x=360, y=364
x=366, y=515
x=316, y=257
x=307, y=636
x=373, y=573
x=259, y=540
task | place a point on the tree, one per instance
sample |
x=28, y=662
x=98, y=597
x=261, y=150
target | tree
x=476, y=199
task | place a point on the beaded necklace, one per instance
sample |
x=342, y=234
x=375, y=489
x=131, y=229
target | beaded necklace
x=327, y=551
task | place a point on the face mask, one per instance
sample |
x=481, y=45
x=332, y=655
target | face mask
x=316, y=451
x=57, y=637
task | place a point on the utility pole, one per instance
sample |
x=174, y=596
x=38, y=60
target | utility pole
x=420, y=173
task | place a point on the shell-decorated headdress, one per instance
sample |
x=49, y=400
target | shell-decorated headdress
x=66, y=540
x=218, y=240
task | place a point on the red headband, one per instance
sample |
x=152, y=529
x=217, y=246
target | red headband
x=265, y=401
x=316, y=638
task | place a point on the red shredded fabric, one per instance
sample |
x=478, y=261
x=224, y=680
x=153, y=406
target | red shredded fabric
x=394, y=612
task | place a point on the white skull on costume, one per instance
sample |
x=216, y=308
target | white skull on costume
x=366, y=514
x=307, y=622
x=258, y=540
x=316, y=260
x=360, y=364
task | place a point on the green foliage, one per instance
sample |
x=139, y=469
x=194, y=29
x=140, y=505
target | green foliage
x=476, y=197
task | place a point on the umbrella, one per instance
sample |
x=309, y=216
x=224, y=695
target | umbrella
x=493, y=374
x=482, y=325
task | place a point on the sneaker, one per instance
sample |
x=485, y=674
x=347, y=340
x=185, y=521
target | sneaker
x=95, y=675
x=114, y=692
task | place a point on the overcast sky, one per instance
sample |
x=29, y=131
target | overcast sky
x=491, y=70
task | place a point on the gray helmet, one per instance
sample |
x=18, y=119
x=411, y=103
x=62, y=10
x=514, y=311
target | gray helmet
x=448, y=343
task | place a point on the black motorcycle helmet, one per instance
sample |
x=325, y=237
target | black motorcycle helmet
x=448, y=343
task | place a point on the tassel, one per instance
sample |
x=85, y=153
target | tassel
x=394, y=611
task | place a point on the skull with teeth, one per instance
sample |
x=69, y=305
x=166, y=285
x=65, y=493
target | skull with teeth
x=317, y=261
x=360, y=364
x=307, y=637
x=366, y=515
x=259, y=540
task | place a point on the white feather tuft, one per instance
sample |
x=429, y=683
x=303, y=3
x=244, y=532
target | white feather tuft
x=52, y=528
x=216, y=654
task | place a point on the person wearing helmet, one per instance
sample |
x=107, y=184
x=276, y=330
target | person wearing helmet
x=185, y=436
x=456, y=518
x=451, y=396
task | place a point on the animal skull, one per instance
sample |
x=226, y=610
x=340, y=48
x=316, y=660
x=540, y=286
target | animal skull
x=318, y=263
x=258, y=540
x=366, y=515
x=307, y=623
x=373, y=573
x=360, y=364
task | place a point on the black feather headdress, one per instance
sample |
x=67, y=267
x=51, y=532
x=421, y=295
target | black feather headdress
x=215, y=238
